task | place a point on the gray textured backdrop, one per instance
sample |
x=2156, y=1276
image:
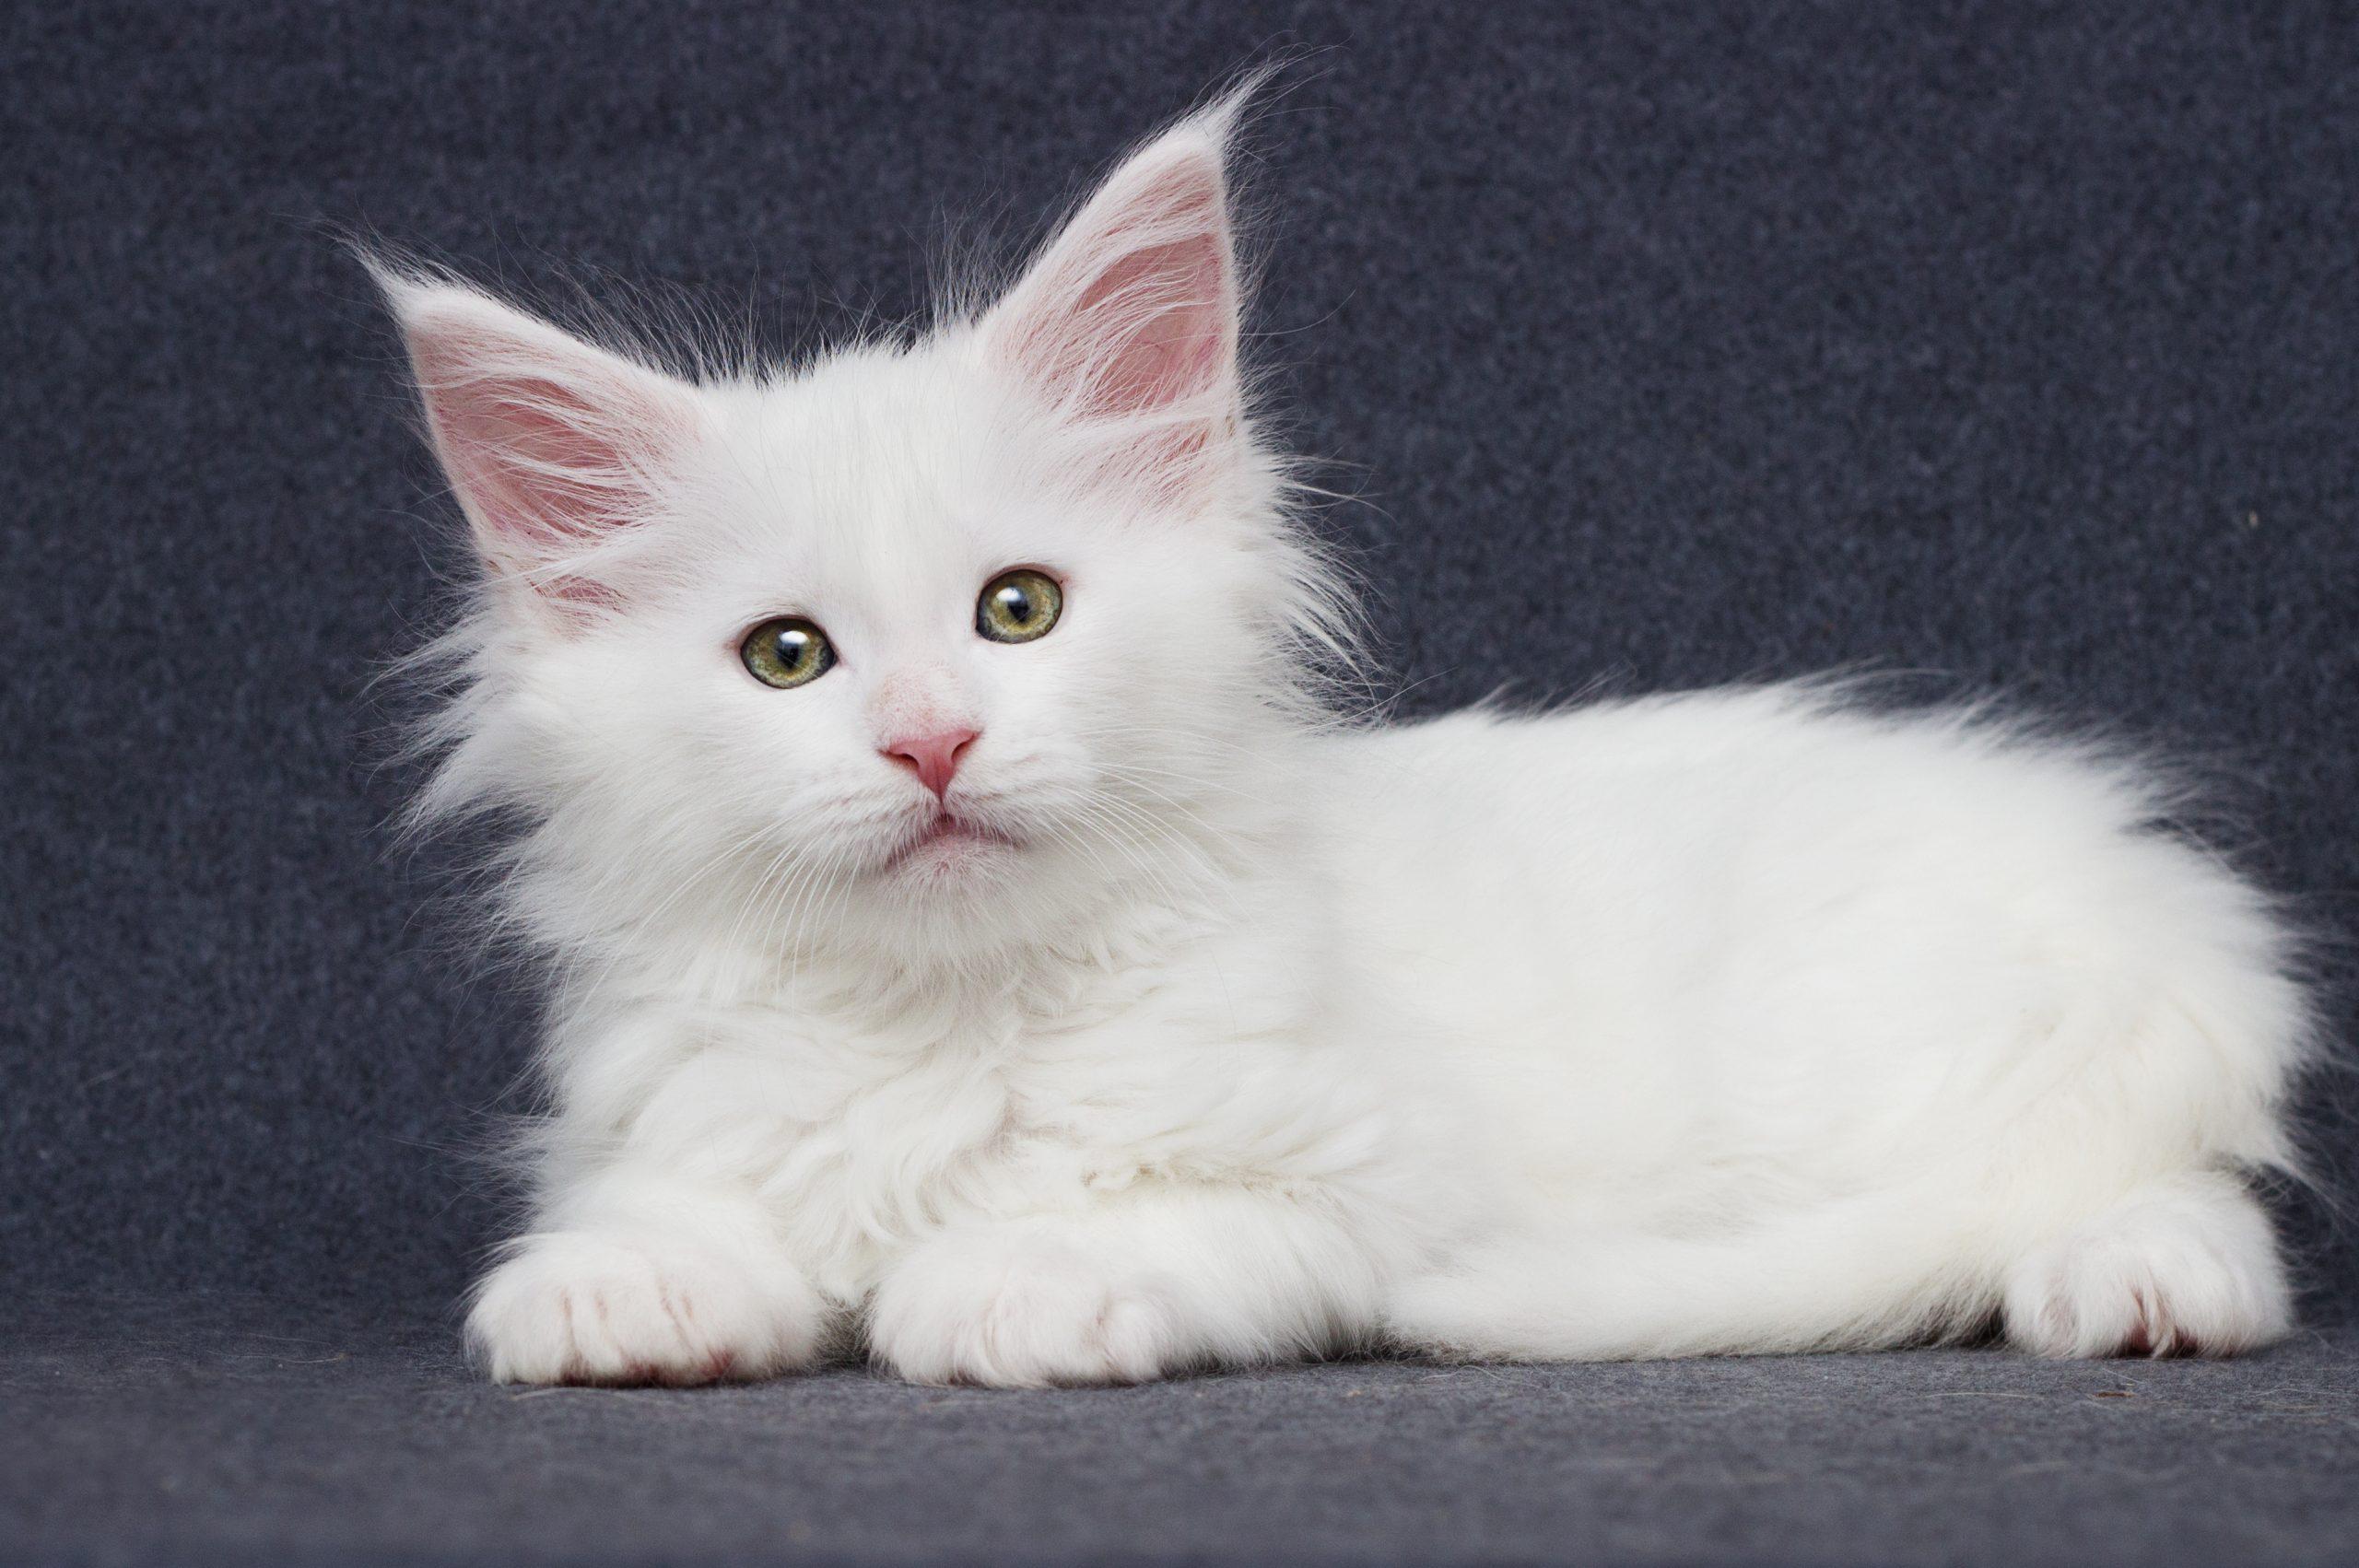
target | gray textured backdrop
x=2013, y=344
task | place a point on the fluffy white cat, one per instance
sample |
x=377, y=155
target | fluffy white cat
x=975, y=934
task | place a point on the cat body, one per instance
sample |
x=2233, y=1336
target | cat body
x=1046, y=987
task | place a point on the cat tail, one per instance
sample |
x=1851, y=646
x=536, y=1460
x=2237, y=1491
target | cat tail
x=1850, y=1273
x=2184, y=1264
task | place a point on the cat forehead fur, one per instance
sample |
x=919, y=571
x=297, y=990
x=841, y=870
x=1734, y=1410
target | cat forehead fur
x=876, y=485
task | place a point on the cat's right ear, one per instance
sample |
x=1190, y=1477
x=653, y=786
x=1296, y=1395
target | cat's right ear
x=556, y=448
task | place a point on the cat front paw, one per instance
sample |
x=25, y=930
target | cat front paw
x=579, y=1307
x=1021, y=1311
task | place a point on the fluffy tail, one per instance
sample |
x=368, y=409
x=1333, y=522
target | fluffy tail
x=2186, y=1265
x=1850, y=1275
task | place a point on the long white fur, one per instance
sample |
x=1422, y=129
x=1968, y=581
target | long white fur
x=1743, y=1021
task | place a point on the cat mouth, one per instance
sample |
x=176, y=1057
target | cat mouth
x=948, y=839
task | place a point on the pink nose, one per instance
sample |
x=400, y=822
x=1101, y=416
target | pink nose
x=933, y=758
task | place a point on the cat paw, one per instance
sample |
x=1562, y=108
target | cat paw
x=2069, y=1304
x=576, y=1306
x=1022, y=1312
x=2190, y=1272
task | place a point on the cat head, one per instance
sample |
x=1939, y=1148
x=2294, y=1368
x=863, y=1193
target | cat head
x=931, y=644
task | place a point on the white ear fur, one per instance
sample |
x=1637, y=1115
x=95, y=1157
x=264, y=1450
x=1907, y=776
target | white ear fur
x=1125, y=328
x=553, y=445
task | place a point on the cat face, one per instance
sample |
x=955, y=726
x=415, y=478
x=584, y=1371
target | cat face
x=981, y=627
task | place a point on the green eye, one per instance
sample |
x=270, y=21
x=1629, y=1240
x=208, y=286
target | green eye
x=787, y=652
x=1018, y=606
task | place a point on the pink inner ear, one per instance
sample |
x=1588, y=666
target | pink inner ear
x=1174, y=353
x=1133, y=310
x=545, y=439
x=520, y=462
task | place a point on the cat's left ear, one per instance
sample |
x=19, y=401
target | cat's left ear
x=1126, y=329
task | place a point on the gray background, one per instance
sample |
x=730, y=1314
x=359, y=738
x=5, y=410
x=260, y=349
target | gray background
x=2012, y=345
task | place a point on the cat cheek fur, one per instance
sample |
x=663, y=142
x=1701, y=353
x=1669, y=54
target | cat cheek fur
x=1743, y=1021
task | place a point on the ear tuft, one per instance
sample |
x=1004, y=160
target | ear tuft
x=554, y=446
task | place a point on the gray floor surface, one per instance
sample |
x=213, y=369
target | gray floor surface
x=233, y=1430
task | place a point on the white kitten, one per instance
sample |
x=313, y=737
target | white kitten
x=971, y=931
